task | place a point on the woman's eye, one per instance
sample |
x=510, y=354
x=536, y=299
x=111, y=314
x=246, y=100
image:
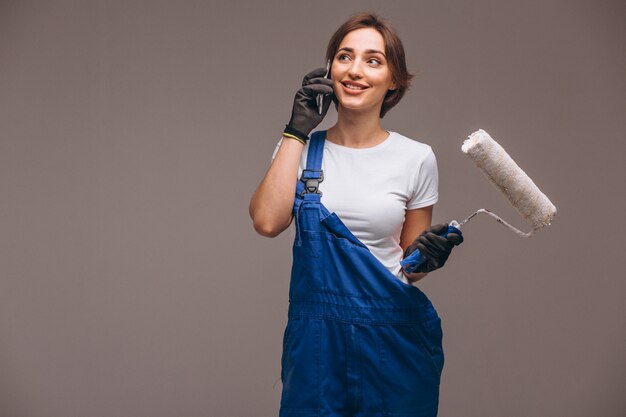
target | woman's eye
x=374, y=60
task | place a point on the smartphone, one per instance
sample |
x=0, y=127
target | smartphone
x=320, y=97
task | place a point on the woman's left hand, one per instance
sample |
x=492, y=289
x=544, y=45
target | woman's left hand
x=434, y=248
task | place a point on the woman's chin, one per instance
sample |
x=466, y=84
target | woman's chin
x=355, y=107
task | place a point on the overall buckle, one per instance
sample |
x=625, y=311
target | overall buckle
x=312, y=182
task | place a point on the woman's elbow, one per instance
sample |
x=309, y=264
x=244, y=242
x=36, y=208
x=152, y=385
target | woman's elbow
x=260, y=223
x=268, y=223
x=268, y=229
x=265, y=229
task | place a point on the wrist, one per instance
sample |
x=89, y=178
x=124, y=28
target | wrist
x=293, y=138
x=295, y=134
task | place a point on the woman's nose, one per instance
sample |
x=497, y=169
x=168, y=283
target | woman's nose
x=355, y=70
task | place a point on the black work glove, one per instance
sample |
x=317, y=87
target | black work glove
x=304, y=115
x=434, y=248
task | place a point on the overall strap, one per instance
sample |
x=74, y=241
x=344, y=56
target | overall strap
x=308, y=186
x=316, y=151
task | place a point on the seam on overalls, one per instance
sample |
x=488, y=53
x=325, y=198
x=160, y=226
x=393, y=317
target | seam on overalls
x=426, y=347
x=298, y=226
x=417, y=310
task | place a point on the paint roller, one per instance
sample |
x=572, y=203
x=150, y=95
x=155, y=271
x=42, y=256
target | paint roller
x=505, y=174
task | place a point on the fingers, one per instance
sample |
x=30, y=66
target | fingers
x=438, y=228
x=313, y=89
x=322, y=80
x=318, y=86
x=434, y=248
x=438, y=243
x=431, y=245
x=314, y=83
x=318, y=72
x=426, y=250
x=455, y=238
x=430, y=265
x=431, y=261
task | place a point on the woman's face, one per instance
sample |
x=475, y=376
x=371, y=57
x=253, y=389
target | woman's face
x=360, y=72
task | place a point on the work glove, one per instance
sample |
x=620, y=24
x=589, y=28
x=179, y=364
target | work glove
x=305, y=113
x=434, y=248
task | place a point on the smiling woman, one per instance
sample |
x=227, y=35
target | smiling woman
x=389, y=52
x=360, y=339
x=363, y=76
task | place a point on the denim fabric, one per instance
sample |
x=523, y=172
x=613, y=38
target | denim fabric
x=359, y=342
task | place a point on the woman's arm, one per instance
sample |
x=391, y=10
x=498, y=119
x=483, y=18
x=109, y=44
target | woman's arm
x=272, y=202
x=415, y=222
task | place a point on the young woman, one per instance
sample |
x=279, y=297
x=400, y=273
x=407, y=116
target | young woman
x=360, y=340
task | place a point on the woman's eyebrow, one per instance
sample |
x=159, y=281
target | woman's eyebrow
x=367, y=51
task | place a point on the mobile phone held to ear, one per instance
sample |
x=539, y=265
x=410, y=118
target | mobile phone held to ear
x=320, y=97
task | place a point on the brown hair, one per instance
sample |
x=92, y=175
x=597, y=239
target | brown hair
x=393, y=49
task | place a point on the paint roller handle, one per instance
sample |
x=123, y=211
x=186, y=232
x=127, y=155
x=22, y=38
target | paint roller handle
x=413, y=261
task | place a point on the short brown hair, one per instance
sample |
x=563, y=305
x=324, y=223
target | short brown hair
x=393, y=49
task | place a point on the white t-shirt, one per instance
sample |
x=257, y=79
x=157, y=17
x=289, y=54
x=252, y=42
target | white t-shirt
x=370, y=190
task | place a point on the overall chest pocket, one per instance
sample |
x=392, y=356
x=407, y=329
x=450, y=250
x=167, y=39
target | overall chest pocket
x=331, y=264
x=329, y=259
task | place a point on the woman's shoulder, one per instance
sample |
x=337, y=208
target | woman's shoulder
x=409, y=145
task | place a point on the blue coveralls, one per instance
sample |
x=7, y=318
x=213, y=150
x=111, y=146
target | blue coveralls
x=359, y=342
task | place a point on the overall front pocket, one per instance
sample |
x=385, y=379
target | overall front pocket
x=409, y=378
x=300, y=368
x=430, y=336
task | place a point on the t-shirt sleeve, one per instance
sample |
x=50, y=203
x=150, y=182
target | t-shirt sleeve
x=425, y=192
x=277, y=147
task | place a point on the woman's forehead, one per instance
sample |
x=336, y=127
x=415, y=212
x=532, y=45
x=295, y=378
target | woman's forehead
x=363, y=39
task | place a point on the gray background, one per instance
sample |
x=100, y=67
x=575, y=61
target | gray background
x=133, y=134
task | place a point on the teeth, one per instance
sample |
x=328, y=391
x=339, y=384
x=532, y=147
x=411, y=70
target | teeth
x=353, y=87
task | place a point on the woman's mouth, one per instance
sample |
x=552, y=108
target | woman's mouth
x=351, y=88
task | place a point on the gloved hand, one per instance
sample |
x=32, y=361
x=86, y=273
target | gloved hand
x=434, y=248
x=304, y=115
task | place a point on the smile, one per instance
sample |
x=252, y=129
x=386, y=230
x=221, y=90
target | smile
x=353, y=89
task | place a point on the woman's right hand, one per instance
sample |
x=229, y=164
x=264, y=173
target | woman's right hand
x=434, y=248
x=305, y=114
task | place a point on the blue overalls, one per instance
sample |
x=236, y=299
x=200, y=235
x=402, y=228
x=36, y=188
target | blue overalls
x=359, y=342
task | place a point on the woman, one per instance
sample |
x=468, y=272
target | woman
x=360, y=339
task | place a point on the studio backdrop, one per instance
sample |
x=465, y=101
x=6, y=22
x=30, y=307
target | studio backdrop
x=133, y=134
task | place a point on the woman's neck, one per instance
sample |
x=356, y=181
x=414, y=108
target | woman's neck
x=357, y=130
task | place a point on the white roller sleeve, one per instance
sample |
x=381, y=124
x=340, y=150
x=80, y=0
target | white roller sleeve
x=500, y=168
